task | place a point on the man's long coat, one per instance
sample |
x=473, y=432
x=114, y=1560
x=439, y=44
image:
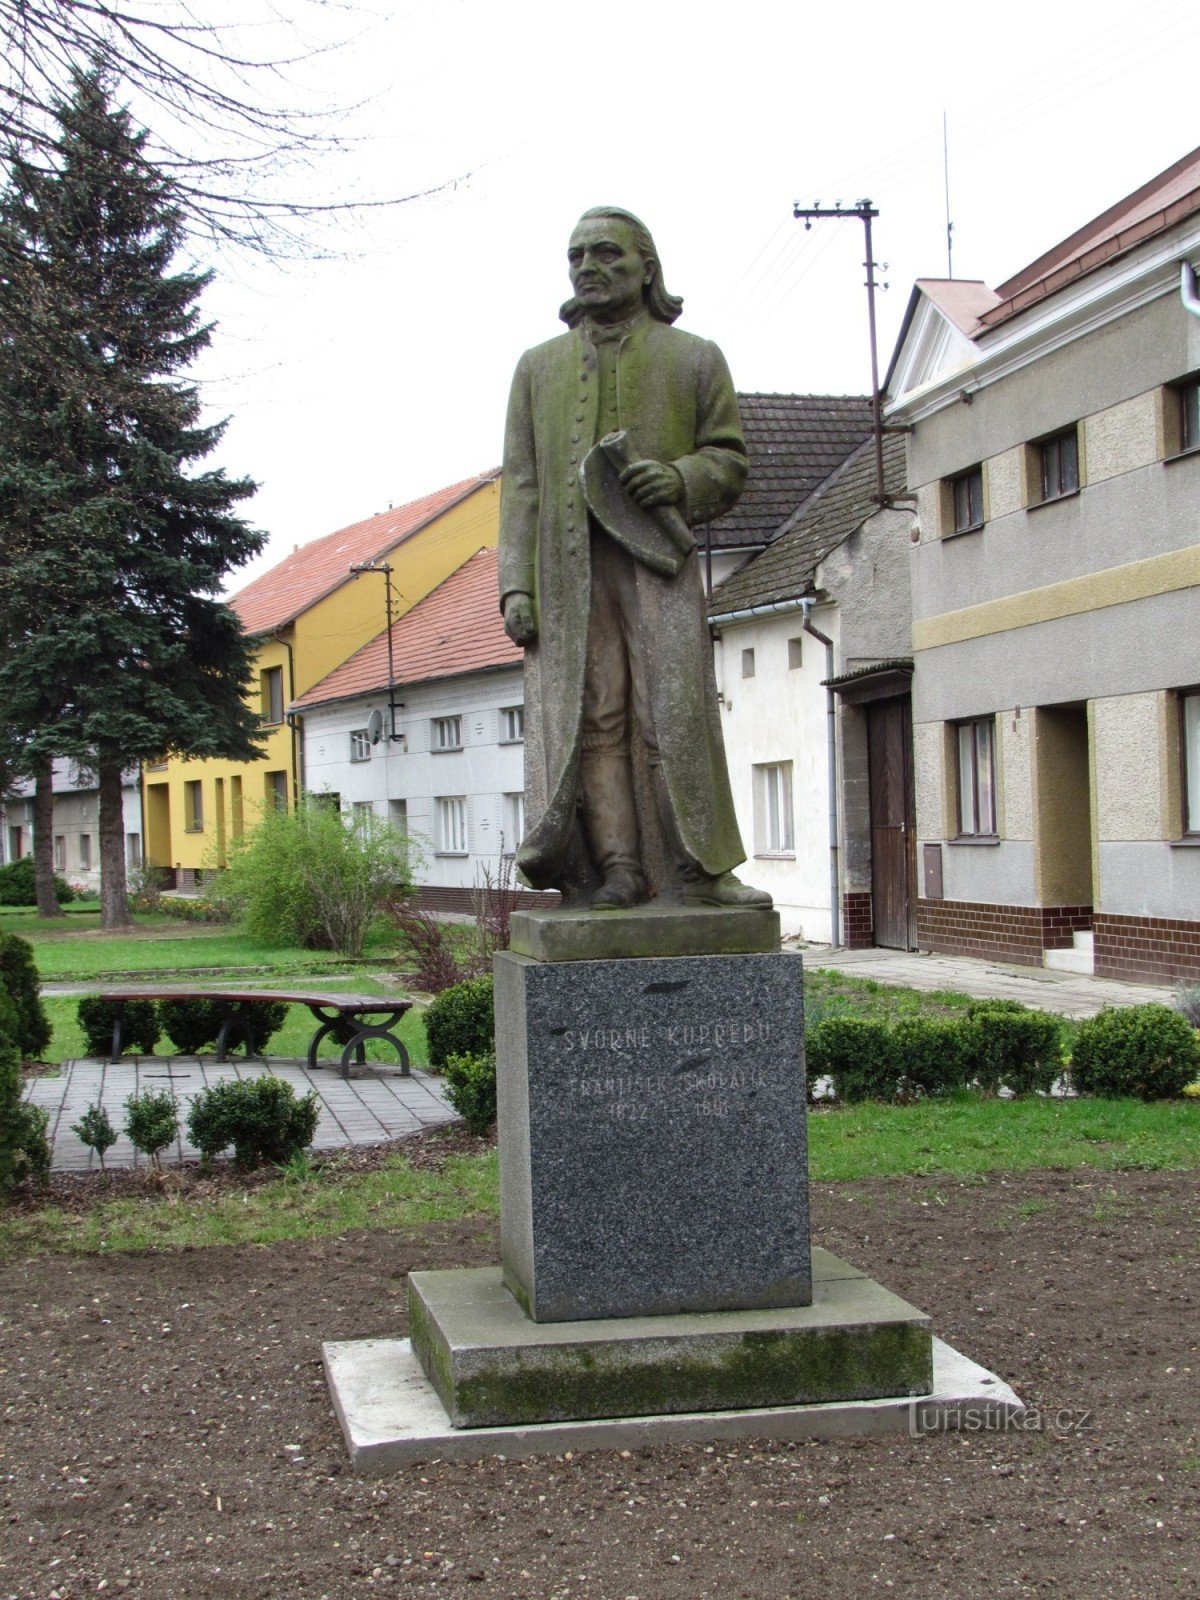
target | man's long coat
x=677, y=402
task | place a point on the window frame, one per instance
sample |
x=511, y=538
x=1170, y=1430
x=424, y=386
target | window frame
x=1186, y=421
x=972, y=476
x=774, y=810
x=360, y=745
x=975, y=726
x=446, y=841
x=275, y=794
x=1189, y=762
x=60, y=852
x=438, y=726
x=85, y=852
x=193, y=805
x=1055, y=441
x=271, y=680
x=512, y=717
x=514, y=812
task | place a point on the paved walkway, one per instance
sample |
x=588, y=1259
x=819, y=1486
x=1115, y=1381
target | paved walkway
x=1073, y=994
x=367, y=1110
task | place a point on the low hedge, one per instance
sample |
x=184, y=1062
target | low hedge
x=191, y=1024
x=261, y=1118
x=995, y=1044
x=1149, y=1052
x=460, y=1021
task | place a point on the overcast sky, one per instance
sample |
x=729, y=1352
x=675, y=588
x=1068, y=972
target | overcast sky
x=378, y=375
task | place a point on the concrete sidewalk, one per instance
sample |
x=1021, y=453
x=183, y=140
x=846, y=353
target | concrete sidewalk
x=366, y=1110
x=1072, y=994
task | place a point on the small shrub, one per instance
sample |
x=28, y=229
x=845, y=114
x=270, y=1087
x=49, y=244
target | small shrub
x=139, y=1024
x=1147, y=1051
x=1187, y=1002
x=460, y=1022
x=152, y=1121
x=190, y=908
x=261, y=1118
x=18, y=884
x=856, y=1052
x=471, y=1089
x=19, y=979
x=96, y=1131
x=433, y=944
x=930, y=1055
x=192, y=1024
x=1013, y=1047
x=145, y=884
x=24, y=1147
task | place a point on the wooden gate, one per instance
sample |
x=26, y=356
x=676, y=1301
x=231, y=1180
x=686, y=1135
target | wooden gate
x=893, y=823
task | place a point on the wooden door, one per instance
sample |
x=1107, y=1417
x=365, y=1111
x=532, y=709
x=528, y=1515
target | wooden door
x=893, y=823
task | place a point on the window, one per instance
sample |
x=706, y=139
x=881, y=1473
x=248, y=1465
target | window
x=447, y=733
x=966, y=501
x=60, y=853
x=398, y=816
x=360, y=745
x=514, y=823
x=773, y=831
x=193, y=807
x=1059, y=460
x=15, y=844
x=156, y=766
x=450, y=825
x=747, y=663
x=85, y=852
x=275, y=791
x=133, y=849
x=1183, y=417
x=512, y=724
x=272, y=694
x=1189, y=708
x=235, y=806
x=976, y=778
x=364, y=816
x=795, y=653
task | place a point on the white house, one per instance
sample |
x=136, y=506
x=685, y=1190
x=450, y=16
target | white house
x=441, y=756
x=76, y=823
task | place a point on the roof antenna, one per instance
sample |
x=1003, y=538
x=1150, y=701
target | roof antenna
x=946, y=175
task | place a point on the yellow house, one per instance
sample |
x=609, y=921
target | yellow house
x=307, y=615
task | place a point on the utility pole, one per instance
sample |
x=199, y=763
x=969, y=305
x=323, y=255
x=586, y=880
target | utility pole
x=864, y=211
x=382, y=566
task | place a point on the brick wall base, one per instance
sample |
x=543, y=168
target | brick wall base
x=431, y=897
x=1017, y=934
x=1146, y=949
x=857, y=923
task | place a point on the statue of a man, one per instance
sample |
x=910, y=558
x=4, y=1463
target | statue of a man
x=622, y=434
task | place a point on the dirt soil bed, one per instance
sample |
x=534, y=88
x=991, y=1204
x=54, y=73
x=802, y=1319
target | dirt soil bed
x=167, y=1430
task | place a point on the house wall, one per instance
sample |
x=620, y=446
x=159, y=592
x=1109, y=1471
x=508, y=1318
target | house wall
x=1092, y=602
x=320, y=639
x=485, y=770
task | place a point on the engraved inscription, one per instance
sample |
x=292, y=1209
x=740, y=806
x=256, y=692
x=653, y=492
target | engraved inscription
x=724, y=1035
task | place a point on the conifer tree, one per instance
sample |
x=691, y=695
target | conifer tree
x=113, y=645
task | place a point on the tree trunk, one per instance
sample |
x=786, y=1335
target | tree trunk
x=114, y=902
x=43, y=841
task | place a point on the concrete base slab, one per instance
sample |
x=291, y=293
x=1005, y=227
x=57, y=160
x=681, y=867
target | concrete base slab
x=656, y=929
x=391, y=1417
x=493, y=1366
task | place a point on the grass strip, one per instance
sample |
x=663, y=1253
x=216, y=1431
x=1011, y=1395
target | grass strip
x=392, y=1196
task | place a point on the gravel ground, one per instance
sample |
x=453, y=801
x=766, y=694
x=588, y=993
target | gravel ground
x=167, y=1430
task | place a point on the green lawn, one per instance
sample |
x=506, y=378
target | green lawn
x=291, y=1040
x=76, y=949
x=963, y=1137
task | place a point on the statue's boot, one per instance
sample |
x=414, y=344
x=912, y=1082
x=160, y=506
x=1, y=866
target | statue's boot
x=610, y=819
x=695, y=887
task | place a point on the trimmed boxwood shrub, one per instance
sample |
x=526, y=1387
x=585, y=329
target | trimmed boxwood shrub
x=856, y=1052
x=460, y=1021
x=261, y=1118
x=1149, y=1052
x=193, y=1024
x=139, y=1026
x=19, y=980
x=930, y=1056
x=1013, y=1047
x=152, y=1121
x=18, y=884
x=471, y=1089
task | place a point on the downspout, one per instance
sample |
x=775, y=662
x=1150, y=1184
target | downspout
x=1187, y=288
x=835, y=896
x=292, y=720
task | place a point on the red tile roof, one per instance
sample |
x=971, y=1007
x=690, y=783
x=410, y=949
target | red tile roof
x=319, y=567
x=456, y=628
x=1165, y=200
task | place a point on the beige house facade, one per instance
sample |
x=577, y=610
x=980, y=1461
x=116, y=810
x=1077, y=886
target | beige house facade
x=1055, y=455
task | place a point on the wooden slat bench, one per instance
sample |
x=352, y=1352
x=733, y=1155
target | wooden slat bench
x=345, y=1016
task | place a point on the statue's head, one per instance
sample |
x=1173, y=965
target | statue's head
x=613, y=264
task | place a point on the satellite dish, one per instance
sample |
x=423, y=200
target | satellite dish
x=375, y=726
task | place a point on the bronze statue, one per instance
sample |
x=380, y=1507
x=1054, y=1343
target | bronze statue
x=622, y=435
